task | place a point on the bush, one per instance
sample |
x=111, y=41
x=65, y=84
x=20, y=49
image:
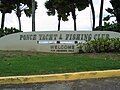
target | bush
x=7, y=31
x=109, y=27
x=100, y=45
x=116, y=44
x=1, y=32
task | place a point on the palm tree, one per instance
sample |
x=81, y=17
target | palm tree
x=114, y=11
x=21, y=6
x=55, y=6
x=33, y=15
x=77, y=4
x=93, y=14
x=65, y=7
x=74, y=18
x=59, y=20
x=18, y=13
x=5, y=8
x=72, y=8
x=101, y=13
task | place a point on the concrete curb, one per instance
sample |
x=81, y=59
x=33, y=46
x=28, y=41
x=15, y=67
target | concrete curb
x=59, y=77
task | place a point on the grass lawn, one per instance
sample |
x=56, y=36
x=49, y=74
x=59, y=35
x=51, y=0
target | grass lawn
x=35, y=63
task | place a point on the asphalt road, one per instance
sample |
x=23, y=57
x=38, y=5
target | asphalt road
x=91, y=84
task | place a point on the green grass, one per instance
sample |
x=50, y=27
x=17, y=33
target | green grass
x=34, y=63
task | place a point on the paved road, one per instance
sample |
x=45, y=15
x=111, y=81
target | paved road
x=92, y=84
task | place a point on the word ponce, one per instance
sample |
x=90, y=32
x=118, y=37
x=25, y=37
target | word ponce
x=51, y=41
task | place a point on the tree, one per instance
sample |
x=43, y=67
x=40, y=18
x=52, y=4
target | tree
x=101, y=13
x=33, y=15
x=115, y=11
x=73, y=12
x=5, y=8
x=76, y=4
x=21, y=6
x=93, y=14
x=65, y=7
x=59, y=7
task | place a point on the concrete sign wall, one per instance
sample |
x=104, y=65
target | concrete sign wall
x=51, y=41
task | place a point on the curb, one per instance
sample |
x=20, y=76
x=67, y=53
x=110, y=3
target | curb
x=59, y=77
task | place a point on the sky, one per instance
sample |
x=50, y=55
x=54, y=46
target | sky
x=50, y=23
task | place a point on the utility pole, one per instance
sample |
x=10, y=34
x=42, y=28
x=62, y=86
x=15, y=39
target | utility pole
x=33, y=15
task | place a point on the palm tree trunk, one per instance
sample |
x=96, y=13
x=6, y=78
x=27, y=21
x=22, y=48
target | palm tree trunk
x=101, y=13
x=93, y=14
x=3, y=20
x=59, y=19
x=19, y=23
x=33, y=15
x=74, y=18
x=18, y=13
x=75, y=27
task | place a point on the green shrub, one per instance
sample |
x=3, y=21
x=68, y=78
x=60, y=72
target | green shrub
x=1, y=32
x=80, y=46
x=109, y=27
x=116, y=44
x=101, y=45
x=85, y=47
x=7, y=31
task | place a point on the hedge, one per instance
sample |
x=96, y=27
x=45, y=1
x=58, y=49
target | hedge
x=7, y=31
x=100, y=45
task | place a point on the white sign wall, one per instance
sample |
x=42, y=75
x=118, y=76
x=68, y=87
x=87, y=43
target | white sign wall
x=51, y=41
